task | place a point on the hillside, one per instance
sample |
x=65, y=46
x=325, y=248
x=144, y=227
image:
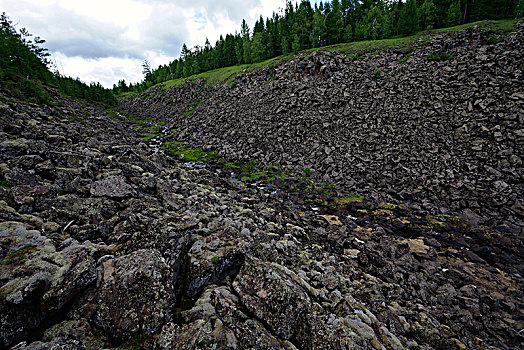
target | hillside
x=439, y=126
x=329, y=201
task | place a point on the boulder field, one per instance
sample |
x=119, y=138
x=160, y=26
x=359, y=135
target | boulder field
x=439, y=125
x=107, y=242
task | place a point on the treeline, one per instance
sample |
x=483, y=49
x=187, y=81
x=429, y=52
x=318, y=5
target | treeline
x=303, y=27
x=92, y=92
x=24, y=69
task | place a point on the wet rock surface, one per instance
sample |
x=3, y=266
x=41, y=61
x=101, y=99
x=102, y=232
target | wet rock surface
x=105, y=243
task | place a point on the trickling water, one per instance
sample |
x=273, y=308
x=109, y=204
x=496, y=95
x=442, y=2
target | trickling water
x=156, y=144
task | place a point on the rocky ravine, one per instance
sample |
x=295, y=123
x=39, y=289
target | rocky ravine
x=105, y=243
x=446, y=136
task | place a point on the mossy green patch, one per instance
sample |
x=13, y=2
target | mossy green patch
x=352, y=198
x=77, y=119
x=186, y=153
x=19, y=254
x=113, y=114
x=442, y=56
x=406, y=58
x=188, y=112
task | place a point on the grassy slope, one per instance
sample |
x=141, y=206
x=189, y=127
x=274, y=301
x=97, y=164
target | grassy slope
x=222, y=75
x=227, y=74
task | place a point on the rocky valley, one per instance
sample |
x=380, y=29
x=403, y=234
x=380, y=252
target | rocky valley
x=395, y=220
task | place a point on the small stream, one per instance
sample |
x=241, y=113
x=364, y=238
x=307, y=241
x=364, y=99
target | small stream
x=156, y=144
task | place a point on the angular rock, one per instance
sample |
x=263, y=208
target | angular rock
x=135, y=294
x=112, y=186
x=273, y=295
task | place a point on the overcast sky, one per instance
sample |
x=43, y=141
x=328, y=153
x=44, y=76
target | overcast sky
x=107, y=40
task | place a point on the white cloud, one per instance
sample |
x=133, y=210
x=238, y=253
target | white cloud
x=107, y=70
x=120, y=12
x=107, y=40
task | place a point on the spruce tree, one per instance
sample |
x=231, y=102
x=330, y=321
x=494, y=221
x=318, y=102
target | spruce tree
x=258, y=49
x=453, y=15
x=427, y=14
x=408, y=21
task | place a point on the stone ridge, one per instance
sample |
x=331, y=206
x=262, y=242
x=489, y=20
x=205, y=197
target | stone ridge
x=108, y=243
x=446, y=136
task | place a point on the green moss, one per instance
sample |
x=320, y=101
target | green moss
x=150, y=137
x=214, y=259
x=186, y=153
x=232, y=165
x=19, y=254
x=307, y=172
x=188, y=112
x=433, y=222
x=378, y=72
x=405, y=59
x=77, y=119
x=113, y=114
x=352, y=198
x=443, y=56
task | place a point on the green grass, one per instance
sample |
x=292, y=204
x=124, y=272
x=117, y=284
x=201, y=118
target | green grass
x=502, y=26
x=224, y=75
x=406, y=58
x=125, y=95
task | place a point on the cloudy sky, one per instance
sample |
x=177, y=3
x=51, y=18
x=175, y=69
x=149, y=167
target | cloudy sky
x=107, y=40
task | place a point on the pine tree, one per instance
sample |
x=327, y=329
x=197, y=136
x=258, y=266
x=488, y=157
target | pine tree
x=295, y=46
x=146, y=70
x=319, y=30
x=519, y=9
x=453, y=15
x=408, y=21
x=428, y=14
x=374, y=25
x=335, y=23
x=348, y=33
x=258, y=49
